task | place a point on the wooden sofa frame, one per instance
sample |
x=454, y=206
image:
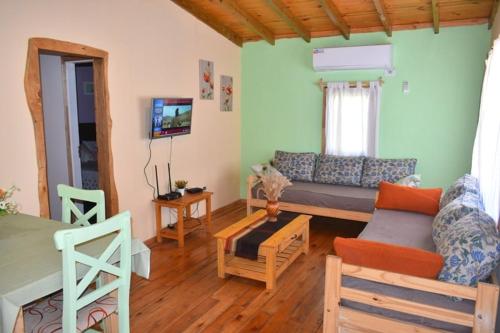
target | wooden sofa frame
x=338, y=318
x=303, y=209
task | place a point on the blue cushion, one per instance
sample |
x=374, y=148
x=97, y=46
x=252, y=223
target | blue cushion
x=295, y=166
x=454, y=211
x=466, y=183
x=471, y=250
x=376, y=170
x=339, y=170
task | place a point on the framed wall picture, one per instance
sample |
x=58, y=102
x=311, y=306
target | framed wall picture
x=226, y=93
x=206, y=79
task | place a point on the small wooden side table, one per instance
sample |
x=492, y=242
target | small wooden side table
x=183, y=227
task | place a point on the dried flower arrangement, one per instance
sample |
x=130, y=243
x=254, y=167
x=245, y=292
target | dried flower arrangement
x=273, y=185
x=7, y=206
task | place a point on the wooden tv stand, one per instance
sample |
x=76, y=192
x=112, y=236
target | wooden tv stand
x=183, y=226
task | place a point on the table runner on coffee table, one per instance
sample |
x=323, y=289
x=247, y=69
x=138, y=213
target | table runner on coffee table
x=246, y=242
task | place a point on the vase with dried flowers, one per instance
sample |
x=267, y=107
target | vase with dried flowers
x=273, y=185
x=7, y=206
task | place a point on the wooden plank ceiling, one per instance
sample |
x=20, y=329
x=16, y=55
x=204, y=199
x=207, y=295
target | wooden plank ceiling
x=250, y=20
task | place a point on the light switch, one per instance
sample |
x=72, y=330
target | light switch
x=406, y=88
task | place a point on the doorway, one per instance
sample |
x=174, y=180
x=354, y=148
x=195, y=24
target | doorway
x=82, y=134
x=96, y=132
x=69, y=127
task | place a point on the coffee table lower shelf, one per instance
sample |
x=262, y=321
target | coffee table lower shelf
x=256, y=269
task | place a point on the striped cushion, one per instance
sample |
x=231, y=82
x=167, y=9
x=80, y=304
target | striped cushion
x=46, y=316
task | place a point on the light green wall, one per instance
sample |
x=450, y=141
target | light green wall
x=436, y=122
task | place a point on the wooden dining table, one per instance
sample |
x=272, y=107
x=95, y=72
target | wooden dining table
x=31, y=266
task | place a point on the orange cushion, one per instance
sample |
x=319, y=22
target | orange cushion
x=418, y=200
x=388, y=257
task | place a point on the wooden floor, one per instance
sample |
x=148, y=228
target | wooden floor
x=184, y=293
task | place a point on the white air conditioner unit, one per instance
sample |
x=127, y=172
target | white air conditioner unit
x=353, y=57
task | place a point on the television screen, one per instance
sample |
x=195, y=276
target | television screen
x=171, y=116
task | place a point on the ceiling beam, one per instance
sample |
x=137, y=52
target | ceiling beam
x=334, y=15
x=493, y=13
x=210, y=21
x=382, y=15
x=435, y=16
x=286, y=15
x=248, y=20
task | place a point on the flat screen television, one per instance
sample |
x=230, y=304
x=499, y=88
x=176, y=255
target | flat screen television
x=171, y=116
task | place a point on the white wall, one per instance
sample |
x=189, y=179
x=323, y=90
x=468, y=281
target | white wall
x=154, y=47
x=55, y=129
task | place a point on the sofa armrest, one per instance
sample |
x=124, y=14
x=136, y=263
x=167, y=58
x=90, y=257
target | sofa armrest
x=250, y=185
x=337, y=316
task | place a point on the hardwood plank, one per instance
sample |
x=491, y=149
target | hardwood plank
x=183, y=322
x=229, y=231
x=283, y=233
x=210, y=21
x=486, y=308
x=407, y=281
x=384, y=19
x=256, y=323
x=401, y=305
x=248, y=20
x=202, y=323
x=335, y=17
x=357, y=321
x=435, y=15
x=493, y=14
x=333, y=281
x=286, y=15
x=314, y=210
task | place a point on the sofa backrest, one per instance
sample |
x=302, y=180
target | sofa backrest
x=342, y=170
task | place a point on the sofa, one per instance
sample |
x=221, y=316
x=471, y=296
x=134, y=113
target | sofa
x=462, y=297
x=331, y=186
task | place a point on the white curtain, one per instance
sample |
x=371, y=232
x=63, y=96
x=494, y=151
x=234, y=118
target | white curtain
x=486, y=154
x=351, y=120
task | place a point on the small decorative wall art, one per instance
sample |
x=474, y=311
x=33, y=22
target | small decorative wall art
x=206, y=79
x=226, y=93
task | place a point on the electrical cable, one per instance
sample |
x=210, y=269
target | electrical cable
x=171, y=148
x=146, y=166
x=194, y=211
x=170, y=162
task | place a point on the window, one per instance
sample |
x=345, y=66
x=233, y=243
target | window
x=486, y=154
x=351, y=118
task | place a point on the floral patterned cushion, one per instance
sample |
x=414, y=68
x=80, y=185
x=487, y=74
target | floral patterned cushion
x=452, y=212
x=471, y=250
x=391, y=170
x=339, y=170
x=466, y=183
x=410, y=181
x=46, y=315
x=295, y=166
